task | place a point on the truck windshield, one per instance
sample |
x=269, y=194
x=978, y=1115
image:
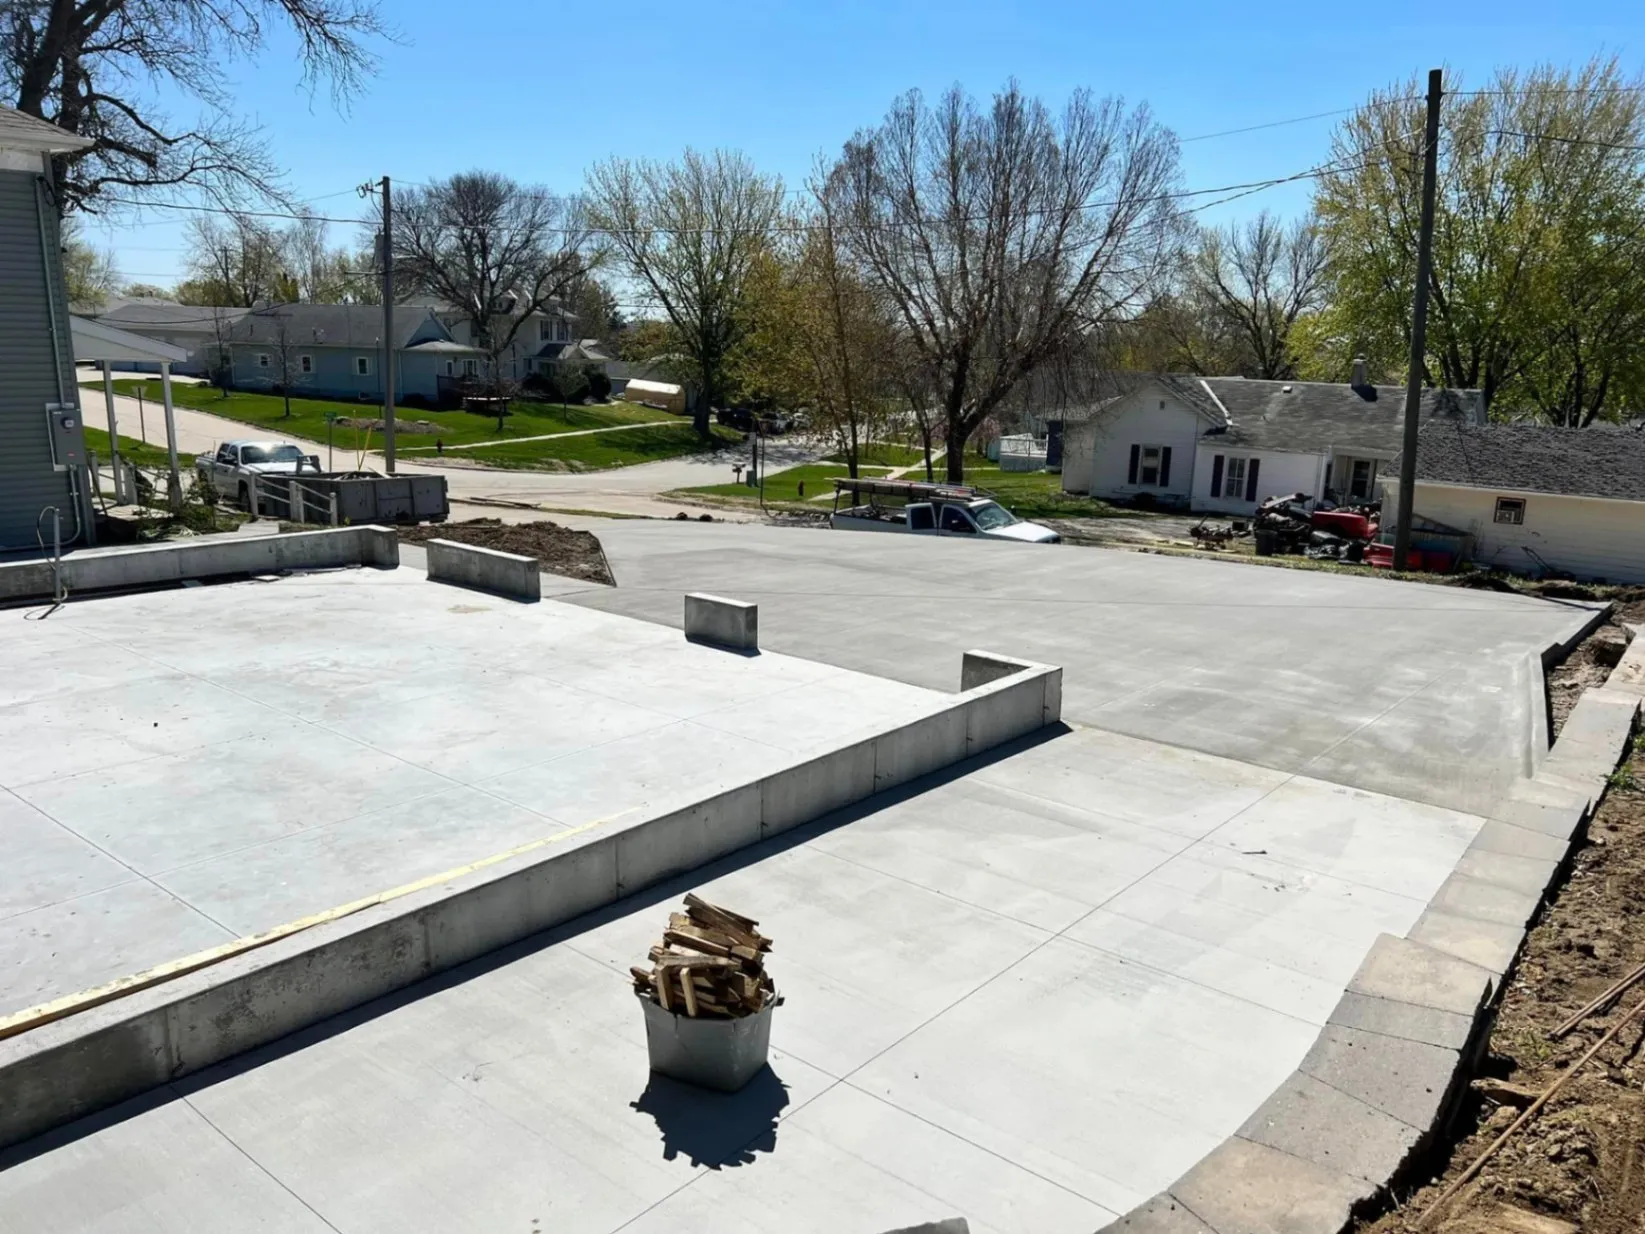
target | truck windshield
x=270, y=454
x=990, y=516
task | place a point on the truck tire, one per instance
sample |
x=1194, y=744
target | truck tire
x=244, y=501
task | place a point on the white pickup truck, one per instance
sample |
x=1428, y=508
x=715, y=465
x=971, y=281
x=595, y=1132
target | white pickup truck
x=929, y=509
x=229, y=470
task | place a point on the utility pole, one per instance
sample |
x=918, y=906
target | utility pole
x=388, y=326
x=1419, y=325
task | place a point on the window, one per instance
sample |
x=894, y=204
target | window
x=1150, y=466
x=262, y=359
x=562, y=332
x=954, y=519
x=545, y=331
x=471, y=368
x=1510, y=510
x=1360, y=484
x=448, y=368
x=362, y=366
x=305, y=364
x=1233, y=477
x=921, y=517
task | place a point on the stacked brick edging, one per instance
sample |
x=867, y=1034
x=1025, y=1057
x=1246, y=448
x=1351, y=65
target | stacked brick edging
x=1386, y=1073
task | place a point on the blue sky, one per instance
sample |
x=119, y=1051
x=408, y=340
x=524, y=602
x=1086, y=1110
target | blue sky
x=541, y=92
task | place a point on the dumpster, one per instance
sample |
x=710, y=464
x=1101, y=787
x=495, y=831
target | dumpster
x=353, y=497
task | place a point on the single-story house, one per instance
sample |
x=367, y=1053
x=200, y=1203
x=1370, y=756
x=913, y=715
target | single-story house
x=335, y=351
x=1535, y=499
x=195, y=328
x=1224, y=444
x=44, y=481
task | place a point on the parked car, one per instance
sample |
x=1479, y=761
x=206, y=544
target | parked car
x=743, y=419
x=930, y=509
x=230, y=470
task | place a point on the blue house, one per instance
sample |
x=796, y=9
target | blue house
x=336, y=351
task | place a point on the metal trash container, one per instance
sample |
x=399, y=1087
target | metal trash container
x=1267, y=543
x=712, y=1051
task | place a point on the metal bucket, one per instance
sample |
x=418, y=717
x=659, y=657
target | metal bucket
x=710, y=1051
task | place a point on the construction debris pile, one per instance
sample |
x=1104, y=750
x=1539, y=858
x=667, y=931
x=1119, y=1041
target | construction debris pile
x=710, y=963
x=1296, y=524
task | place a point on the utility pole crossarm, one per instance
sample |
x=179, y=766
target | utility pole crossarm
x=1419, y=325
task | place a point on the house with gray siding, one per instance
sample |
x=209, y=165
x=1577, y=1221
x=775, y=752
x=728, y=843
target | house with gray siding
x=41, y=460
x=336, y=351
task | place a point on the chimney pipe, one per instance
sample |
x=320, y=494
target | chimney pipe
x=1359, y=381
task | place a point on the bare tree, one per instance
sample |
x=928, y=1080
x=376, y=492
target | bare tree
x=319, y=273
x=495, y=250
x=237, y=262
x=102, y=68
x=287, y=350
x=1258, y=277
x=1000, y=234
x=91, y=273
x=690, y=232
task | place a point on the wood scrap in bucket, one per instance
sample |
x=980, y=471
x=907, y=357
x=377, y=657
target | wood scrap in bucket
x=709, y=963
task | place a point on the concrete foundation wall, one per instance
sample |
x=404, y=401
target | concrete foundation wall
x=64, y=1070
x=159, y=564
x=485, y=569
x=724, y=623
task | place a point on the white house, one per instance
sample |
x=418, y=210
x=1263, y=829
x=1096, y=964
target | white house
x=1536, y=499
x=1224, y=444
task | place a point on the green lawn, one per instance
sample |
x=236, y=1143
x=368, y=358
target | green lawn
x=308, y=417
x=600, y=451
x=138, y=453
x=886, y=454
x=784, y=486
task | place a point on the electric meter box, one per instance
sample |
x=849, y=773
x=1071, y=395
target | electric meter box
x=68, y=442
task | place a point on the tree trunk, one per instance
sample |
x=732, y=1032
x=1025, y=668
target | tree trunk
x=287, y=394
x=955, y=458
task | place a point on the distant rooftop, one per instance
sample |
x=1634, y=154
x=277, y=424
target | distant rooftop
x=1592, y=462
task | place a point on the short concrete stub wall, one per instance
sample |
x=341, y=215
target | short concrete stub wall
x=206, y=557
x=722, y=622
x=485, y=569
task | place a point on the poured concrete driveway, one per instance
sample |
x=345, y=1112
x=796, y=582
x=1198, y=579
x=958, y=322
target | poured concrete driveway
x=1419, y=691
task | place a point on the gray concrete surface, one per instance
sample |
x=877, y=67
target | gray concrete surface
x=1033, y=995
x=188, y=766
x=1418, y=691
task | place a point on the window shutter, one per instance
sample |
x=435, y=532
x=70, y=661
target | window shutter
x=1251, y=480
x=1136, y=458
x=1165, y=467
x=1216, y=475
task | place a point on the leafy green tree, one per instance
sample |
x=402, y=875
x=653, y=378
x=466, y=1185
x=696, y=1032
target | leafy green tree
x=1538, y=239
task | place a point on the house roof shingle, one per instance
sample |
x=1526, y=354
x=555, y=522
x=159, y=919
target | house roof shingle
x=359, y=326
x=1591, y=462
x=21, y=131
x=146, y=315
x=1307, y=417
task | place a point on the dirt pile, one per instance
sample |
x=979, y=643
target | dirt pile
x=558, y=550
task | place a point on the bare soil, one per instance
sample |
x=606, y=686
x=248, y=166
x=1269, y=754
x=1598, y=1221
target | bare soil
x=1579, y=1164
x=558, y=550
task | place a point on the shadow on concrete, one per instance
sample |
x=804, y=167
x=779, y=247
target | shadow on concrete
x=760, y=1138
x=715, y=1129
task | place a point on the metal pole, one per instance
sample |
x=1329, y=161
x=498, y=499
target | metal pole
x=388, y=327
x=114, y=428
x=174, y=482
x=1419, y=325
x=142, y=415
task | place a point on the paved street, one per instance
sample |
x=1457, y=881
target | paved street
x=623, y=491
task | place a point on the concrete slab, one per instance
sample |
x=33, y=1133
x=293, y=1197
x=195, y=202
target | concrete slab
x=1003, y=1003
x=233, y=757
x=1415, y=699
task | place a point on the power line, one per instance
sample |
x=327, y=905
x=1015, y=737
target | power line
x=1272, y=124
x=1570, y=141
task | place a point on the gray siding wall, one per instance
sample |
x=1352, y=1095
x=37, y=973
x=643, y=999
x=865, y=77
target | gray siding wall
x=334, y=375
x=27, y=482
